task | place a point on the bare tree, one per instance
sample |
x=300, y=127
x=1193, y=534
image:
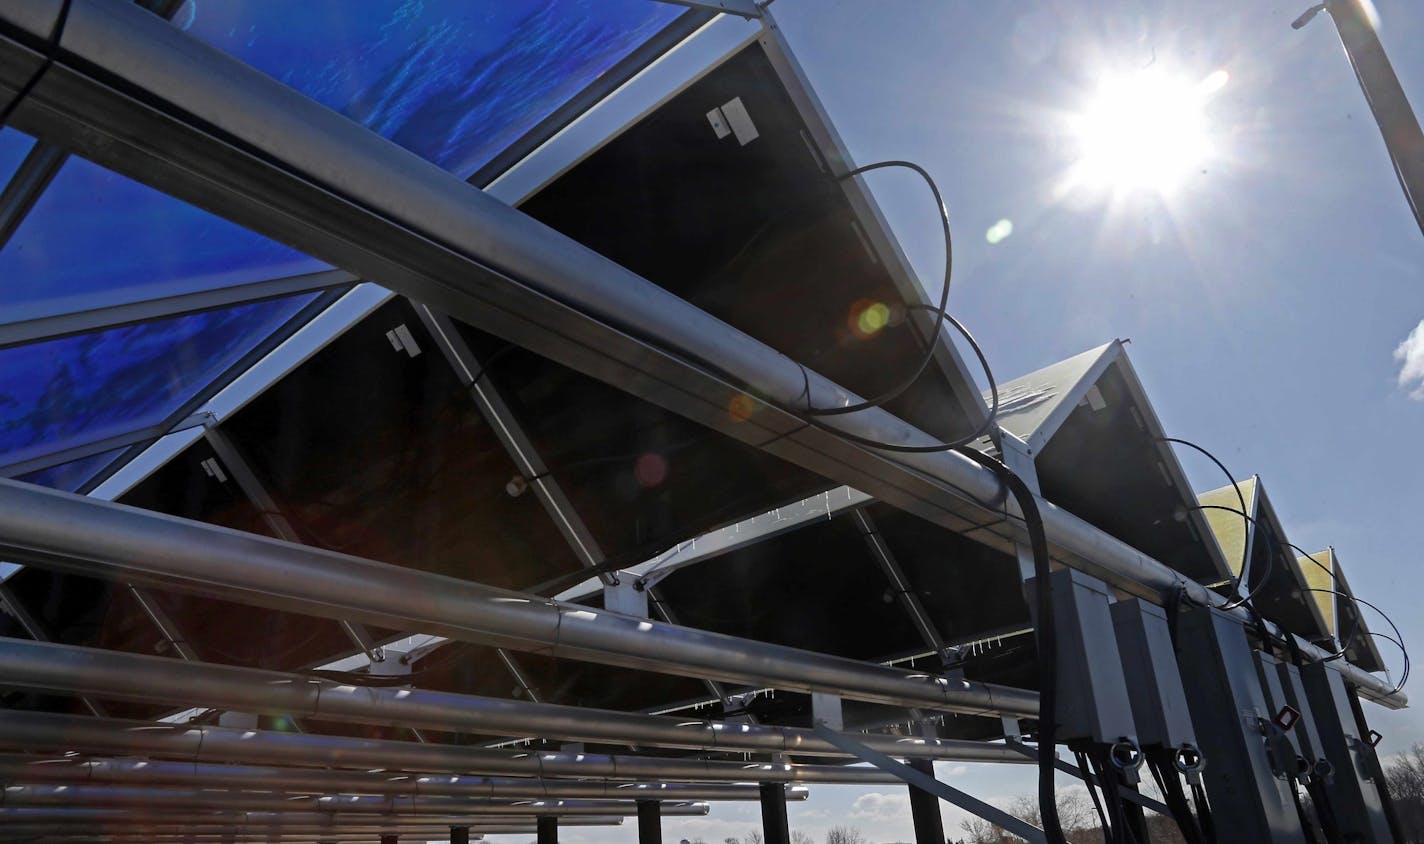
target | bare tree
x=754, y=837
x=1404, y=776
x=844, y=835
x=798, y=837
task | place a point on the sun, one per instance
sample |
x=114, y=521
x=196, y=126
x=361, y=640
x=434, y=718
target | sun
x=1144, y=131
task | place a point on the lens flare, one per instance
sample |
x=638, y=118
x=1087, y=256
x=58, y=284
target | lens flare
x=867, y=318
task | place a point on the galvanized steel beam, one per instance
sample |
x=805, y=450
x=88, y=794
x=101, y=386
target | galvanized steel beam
x=37, y=732
x=124, y=676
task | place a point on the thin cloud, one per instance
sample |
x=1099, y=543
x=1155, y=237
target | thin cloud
x=880, y=806
x=1410, y=355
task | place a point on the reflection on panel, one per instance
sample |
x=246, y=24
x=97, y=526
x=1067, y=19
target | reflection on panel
x=96, y=239
x=82, y=389
x=72, y=475
x=453, y=81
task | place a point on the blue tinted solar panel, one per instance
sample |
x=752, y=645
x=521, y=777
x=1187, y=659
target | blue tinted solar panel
x=13, y=146
x=96, y=239
x=454, y=81
x=77, y=390
x=71, y=476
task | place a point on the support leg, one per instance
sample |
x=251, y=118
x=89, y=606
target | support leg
x=650, y=822
x=774, y=826
x=924, y=807
x=548, y=830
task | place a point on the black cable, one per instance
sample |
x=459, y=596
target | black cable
x=940, y=312
x=1398, y=639
x=1250, y=596
x=1044, y=635
x=1109, y=837
x=51, y=50
x=1162, y=764
x=1204, y=817
x=1240, y=497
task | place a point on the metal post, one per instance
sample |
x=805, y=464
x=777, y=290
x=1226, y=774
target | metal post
x=459, y=835
x=650, y=822
x=548, y=829
x=924, y=807
x=390, y=838
x=774, y=826
x=1402, y=137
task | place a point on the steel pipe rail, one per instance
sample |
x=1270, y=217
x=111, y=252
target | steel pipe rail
x=158, y=801
x=120, y=822
x=107, y=539
x=61, y=734
x=19, y=769
x=124, y=676
x=189, y=120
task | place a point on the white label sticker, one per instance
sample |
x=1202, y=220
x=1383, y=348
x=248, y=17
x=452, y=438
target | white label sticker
x=719, y=123
x=740, y=121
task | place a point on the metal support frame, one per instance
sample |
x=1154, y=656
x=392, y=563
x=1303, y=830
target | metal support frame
x=924, y=806
x=152, y=773
x=156, y=802
x=46, y=732
x=326, y=186
x=1399, y=127
x=813, y=509
x=745, y=8
x=43, y=328
x=459, y=835
x=909, y=599
x=172, y=636
x=40, y=633
x=124, y=676
x=496, y=412
x=257, y=495
x=39, y=461
x=969, y=803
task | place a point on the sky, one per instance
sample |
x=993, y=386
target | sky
x=1274, y=297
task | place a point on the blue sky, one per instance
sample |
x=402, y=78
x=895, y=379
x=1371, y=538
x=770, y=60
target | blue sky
x=1265, y=298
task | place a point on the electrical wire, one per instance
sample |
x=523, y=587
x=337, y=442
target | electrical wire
x=1397, y=639
x=941, y=313
x=1240, y=497
x=1250, y=597
x=1045, y=638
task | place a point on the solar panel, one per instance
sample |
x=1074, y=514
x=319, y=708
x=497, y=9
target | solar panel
x=453, y=81
x=79, y=390
x=96, y=239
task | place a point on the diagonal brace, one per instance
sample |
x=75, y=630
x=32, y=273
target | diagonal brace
x=925, y=782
